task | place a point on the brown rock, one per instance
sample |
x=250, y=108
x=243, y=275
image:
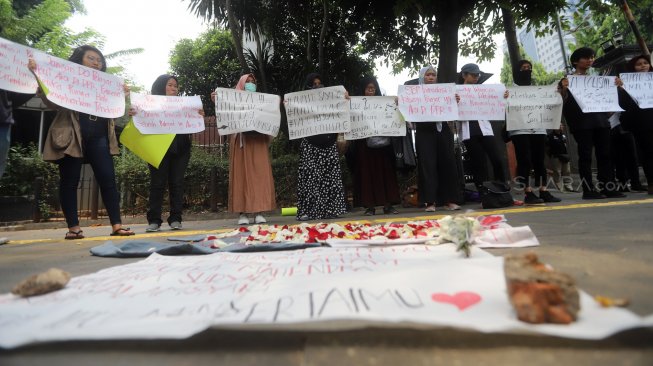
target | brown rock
x=538, y=293
x=52, y=280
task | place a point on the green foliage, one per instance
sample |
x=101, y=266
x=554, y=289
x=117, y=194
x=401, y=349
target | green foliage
x=32, y=24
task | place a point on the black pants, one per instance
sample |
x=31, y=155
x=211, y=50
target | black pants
x=437, y=169
x=599, y=140
x=480, y=148
x=644, y=140
x=529, y=151
x=171, y=170
x=624, y=155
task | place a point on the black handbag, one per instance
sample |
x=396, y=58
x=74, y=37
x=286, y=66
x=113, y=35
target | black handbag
x=495, y=194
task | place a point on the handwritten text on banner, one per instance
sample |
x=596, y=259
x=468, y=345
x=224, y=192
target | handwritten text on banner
x=159, y=114
x=531, y=107
x=317, y=111
x=428, y=102
x=640, y=86
x=14, y=74
x=481, y=102
x=374, y=116
x=595, y=93
x=242, y=111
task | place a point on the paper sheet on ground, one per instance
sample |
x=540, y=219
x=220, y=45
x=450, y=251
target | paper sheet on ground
x=175, y=297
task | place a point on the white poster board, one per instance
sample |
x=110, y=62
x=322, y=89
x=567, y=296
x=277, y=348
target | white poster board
x=175, y=297
x=594, y=93
x=531, y=107
x=317, y=111
x=14, y=74
x=242, y=111
x=481, y=102
x=374, y=116
x=161, y=114
x=428, y=102
x=640, y=87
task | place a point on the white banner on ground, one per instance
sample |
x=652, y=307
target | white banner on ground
x=317, y=111
x=531, y=107
x=640, y=86
x=161, y=114
x=175, y=297
x=481, y=102
x=595, y=93
x=374, y=116
x=243, y=111
x=428, y=102
x=14, y=74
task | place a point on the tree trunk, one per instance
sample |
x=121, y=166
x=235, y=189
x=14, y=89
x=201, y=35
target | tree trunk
x=309, y=44
x=448, y=36
x=261, y=63
x=237, y=36
x=325, y=23
x=511, y=39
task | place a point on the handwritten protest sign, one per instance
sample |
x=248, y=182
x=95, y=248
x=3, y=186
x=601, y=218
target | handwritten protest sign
x=595, y=93
x=374, y=116
x=317, y=111
x=242, y=111
x=14, y=74
x=533, y=107
x=167, y=114
x=150, y=148
x=175, y=297
x=428, y=102
x=640, y=87
x=481, y=102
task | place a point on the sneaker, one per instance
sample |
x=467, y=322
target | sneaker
x=637, y=188
x=546, y=196
x=430, y=208
x=175, y=225
x=390, y=210
x=593, y=195
x=303, y=218
x=452, y=207
x=613, y=194
x=568, y=188
x=4, y=240
x=243, y=220
x=370, y=211
x=532, y=199
x=153, y=227
x=259, y=219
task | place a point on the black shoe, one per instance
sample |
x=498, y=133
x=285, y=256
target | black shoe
x=637, y=188
x=613, y=194
x=593, y=195
x=548, y=197
x=532, y=199
x=369, y=211
x=390, y=210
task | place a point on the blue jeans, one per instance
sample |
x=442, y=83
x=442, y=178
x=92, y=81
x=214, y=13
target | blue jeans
x=96, y=152
x=5, y=141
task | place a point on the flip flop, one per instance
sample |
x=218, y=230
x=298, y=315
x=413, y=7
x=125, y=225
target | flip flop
x=74, y=235
x=123, y=231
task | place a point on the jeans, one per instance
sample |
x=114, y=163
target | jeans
x=96, y=152
x=171, y=170
x=5, y=141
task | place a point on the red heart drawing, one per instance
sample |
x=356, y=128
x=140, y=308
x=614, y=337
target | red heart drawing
x=462, y=300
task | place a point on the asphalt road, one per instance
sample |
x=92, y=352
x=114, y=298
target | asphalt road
x=606, y=245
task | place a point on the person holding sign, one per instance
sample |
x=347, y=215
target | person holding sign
x=530, y=148
x=251, y=184
x=639, y=120
x=436, y=161
x=320, y=192
x=591, y=132
x=75, y=138
x=375, y=179
x=170, y=170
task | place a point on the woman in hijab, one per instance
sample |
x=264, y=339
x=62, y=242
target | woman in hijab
x=320, y=192
x=374, y=177
x=436, y=162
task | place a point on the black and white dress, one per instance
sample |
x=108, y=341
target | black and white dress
x=320, y=191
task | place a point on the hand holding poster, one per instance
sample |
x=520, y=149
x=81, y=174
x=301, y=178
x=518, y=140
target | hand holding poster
x=640, y=87
x=14, y=74
x=317, y=111
x=242, y=111
x=533, y=107
x=428, y=102
x=481, y=102
x=159, y=114
x=374, y=116
x=595, y=93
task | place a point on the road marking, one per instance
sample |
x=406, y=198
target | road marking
x=512, y=210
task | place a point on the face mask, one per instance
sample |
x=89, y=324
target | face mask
x=523, y=77
x=250, y=87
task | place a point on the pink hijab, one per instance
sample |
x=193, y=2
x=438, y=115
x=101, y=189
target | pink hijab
x=243, y=80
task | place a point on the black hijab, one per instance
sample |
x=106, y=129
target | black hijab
x=310, y=78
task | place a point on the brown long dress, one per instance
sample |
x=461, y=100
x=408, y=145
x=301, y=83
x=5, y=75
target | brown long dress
x=251, y=185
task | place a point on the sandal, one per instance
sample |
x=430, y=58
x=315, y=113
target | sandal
x=74, y=235
x=123, y=231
